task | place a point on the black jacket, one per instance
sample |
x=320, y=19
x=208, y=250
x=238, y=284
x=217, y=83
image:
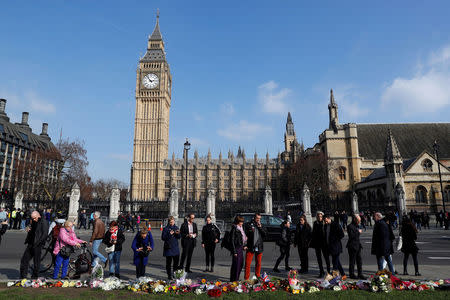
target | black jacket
x=382, y=238
x=250, y=229
x=184, y=231
x=409, y=237
x=353, y=243
x=236, y=239
x=3, y=229
x=285, y=238
x=40, y=235
x=334, y=239
x=210, y=233
x=120, y=240
x=318, y=235
x=303, y=236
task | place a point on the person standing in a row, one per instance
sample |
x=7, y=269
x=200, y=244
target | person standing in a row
x=114, y=237
x=334, y=234
x=382, y=243
x=36, y=237
x=170, y=236
x=409, y=247
x=318, y=243
x=302, y=241
x=255, y=233
x=142, y=246
x=210, y=237
x=98, y=234
x=354, y=248
x=285, y=246
x=189, y=234
x=238, y=246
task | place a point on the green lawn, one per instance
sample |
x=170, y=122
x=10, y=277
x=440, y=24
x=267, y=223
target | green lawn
x=72, y=293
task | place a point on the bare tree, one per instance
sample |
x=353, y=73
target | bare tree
x=102, y=188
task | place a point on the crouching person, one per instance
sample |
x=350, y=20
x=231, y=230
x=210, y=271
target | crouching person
x=142, y=246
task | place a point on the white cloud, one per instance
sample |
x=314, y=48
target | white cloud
x=273, y=100
x=120, y=156
x=427, y=91
x=243, y=130
x=227, y=108
x=347, y=98
x=27, y=101
x=39, y=105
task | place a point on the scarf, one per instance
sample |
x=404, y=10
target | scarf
x=113, y=234
x=244, y=237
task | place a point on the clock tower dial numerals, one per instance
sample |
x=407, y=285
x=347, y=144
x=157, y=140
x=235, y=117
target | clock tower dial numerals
x=150, y=81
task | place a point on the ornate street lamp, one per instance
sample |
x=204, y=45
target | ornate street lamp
x=187, y=146
x=436, y=151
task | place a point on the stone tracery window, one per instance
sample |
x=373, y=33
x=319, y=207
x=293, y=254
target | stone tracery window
x=427, y=165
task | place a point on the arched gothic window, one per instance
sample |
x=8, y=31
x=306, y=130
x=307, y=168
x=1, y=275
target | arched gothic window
x=342, y=173
x=421, y=194
x=427, y=165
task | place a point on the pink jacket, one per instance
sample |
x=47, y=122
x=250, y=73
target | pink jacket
x=66, y=238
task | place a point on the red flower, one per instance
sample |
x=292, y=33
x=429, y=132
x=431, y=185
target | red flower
x=215, y=293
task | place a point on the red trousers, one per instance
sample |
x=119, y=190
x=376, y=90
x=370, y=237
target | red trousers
x=248, y=262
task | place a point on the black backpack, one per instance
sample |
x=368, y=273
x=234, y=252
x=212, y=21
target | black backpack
x=82, y=264
x=226, y=241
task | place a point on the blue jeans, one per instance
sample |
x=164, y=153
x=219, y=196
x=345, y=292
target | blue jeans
x=96, y=253
x=114, y=262
x=381, y=259
x=22, y=224
x=58, y=262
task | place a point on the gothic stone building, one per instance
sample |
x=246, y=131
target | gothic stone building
x=19, y=144
x=153, y=174
x=372, y=159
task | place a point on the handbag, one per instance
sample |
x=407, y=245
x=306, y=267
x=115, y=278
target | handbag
x=399, y=243
x=65, y=251
x=110, y=249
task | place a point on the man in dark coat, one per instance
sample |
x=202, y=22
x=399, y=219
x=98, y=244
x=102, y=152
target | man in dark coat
x=318, y=243
x=333, y=237
x=35, y=240
x=354, y=248
x=382, y=242
x=189, y=234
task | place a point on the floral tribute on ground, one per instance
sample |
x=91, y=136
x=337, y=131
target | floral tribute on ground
x=380, y=282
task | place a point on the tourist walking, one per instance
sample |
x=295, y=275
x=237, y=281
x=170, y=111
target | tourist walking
x=98, y=233
x=189, y=234
x=113, y=240
x=318, y=243
x=255, y=233
x=354, y=248
x=35, y=240
x=63, y=248
x=170, y=236
x=210, y=237
x=238, y=246
x=285, y=246
x=333, y=236
x=302, y=241
x=83, y=219
x=3, y=229
x=409, y=247
x=142, y=246
x=382, y=242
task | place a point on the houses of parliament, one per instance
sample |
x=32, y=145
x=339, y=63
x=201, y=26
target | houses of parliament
x=368, y=159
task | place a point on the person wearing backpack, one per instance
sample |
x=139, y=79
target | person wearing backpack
x=64, y=246
x=238, y=242
x=210, y=237
x=113, y=240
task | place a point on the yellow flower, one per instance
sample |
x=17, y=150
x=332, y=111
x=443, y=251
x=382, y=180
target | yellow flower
x=203, y=280
x=166, y=289
x=224, y=288
x=174, y=287
x=65, y=284
x=22, y=283
x=295, y=291
x=218, y=283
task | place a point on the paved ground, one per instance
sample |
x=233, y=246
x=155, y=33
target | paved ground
x=434, y=257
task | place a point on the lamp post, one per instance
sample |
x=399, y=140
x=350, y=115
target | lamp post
x=187, y=146
x=436, y=151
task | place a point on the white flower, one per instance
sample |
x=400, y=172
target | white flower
x=374, y=288
x=337, y=288
x=159, y=288
x=10, y=284
x=198, y=291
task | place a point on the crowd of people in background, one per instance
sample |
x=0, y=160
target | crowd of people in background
x=245, y=240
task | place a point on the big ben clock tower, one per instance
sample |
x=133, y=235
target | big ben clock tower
x=151, y=129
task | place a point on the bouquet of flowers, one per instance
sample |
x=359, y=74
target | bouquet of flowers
x=381, y=282
x=180, y=276
x=97, y=272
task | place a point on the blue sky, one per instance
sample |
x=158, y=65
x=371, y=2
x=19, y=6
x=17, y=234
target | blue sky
x=238, y=67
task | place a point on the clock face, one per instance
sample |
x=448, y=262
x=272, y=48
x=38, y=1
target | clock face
x=150, y=81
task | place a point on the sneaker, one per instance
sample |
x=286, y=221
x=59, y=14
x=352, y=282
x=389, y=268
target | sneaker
x=418, y=274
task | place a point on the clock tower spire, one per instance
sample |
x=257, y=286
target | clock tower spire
x=151, y=131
